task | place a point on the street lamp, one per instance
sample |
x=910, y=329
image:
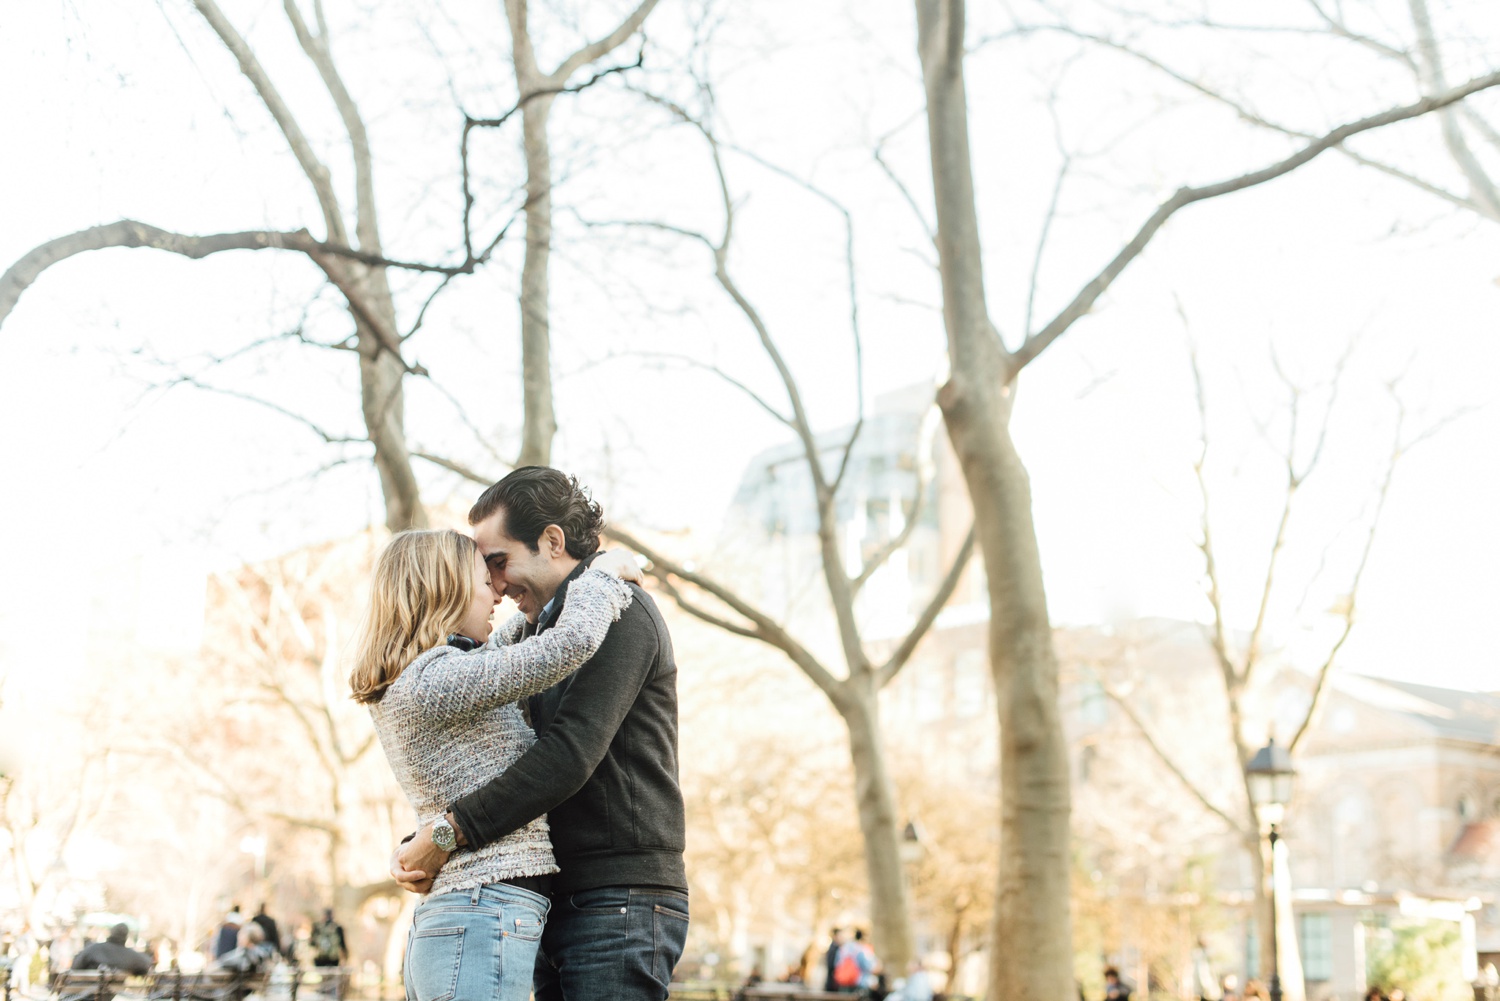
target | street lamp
x=912, y=846
x=1270, y=775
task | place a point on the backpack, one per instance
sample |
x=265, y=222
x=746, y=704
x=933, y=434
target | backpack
x=846, y=973
x=325, y=940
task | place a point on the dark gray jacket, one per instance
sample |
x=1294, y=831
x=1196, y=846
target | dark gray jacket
x=604, y=767
x=112, y=955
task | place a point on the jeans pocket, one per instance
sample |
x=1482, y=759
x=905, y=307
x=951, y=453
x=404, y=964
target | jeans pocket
x=669, y=928
x=527, y=926
x=605, y=900
x=436, y=955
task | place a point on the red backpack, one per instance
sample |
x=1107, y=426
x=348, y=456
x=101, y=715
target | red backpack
x=846, y=972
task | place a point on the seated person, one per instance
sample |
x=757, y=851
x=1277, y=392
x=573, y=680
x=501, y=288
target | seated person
x=251, y=955
x=113, y=954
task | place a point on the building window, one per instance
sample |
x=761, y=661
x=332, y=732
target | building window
x=1315, y=938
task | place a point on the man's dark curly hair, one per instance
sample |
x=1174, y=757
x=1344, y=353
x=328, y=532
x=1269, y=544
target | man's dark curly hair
x=537, y=496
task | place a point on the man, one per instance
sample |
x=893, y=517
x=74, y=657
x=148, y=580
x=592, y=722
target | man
x=857, y=966
x=229, y=931
x=836, y=940
x=327, y=940
x=113, y=954
x=603, y=769
x=268, y=926
x=251, y=957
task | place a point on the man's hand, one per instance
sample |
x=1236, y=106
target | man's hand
x=417, y=862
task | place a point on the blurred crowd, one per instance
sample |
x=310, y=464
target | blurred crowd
x=237, y=944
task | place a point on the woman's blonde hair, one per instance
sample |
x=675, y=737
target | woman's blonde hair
x=424, y=584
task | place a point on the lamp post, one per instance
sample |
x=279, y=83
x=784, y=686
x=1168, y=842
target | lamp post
x=1270, y=775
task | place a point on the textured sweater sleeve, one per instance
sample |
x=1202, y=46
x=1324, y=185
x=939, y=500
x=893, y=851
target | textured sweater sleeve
x=574, y=742
x=459, y=682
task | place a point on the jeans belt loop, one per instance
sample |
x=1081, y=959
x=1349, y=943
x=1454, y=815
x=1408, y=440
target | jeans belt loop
x=474, y=895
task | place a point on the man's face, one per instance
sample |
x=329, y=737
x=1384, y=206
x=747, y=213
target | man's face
x=530, y=579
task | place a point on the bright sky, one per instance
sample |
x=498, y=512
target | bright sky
x=121, y=494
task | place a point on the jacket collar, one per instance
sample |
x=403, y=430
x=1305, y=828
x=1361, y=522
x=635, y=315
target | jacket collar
x=561, y=596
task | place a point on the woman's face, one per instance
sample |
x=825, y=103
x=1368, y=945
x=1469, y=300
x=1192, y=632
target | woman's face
x=476, y=624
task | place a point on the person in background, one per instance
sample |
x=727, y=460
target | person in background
x=1114, y=988
x=113, y=954
x=836, y=940
x=1206, y=986
x=858, y=967
x=268, y=925
x=251, y=956
x=229, y=932
x=918, y=985
x=328, y=945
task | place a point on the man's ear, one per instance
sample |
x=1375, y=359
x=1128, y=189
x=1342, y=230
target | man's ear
x=554, y=542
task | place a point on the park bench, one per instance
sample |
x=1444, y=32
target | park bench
x=209, y=985
x=711, y=991
x=789, y=992
x=679, y=991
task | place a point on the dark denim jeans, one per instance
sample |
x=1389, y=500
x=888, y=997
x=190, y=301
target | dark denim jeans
x=614, y=943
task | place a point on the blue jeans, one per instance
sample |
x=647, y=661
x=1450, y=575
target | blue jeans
x=615, y=943
x=475, y=945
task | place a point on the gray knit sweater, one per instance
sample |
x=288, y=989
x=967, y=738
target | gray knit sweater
x=451, y=722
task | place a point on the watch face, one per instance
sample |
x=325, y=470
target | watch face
x=443, y=836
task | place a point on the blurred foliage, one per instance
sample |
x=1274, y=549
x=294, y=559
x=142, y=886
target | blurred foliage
x=1421, y=958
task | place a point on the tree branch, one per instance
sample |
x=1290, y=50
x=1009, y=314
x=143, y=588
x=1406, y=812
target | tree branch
x=604, y=46
x=316, y=172
x=317, y=48
x=766, y=629
x=902, y=654
x=471, y=123
x=1090, y=293
x=1219, y=632
x=1166, y=760
x=925, y=433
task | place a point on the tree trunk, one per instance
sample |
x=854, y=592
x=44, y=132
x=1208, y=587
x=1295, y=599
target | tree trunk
x=875, y=798
x=1032, y=912
x=383, y=403
x=1031, y=955
x=536, y=330
x=955, y=946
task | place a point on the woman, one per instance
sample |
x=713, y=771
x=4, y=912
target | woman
x=444, y=696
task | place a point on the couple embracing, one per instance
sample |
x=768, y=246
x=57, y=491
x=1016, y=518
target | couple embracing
x=541, y=757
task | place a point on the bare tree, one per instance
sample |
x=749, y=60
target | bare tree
x=855, y=691
x=771, y=837
x=1300, y=449
x=1470, y=139
x=274, y=735
x=537, y=89
x=359, y=267
x=1032, y=908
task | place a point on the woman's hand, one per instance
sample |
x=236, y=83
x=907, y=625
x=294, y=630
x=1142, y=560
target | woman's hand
x=619, y=563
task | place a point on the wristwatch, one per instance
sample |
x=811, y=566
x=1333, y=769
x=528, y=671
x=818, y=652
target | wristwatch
x=443, y=834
